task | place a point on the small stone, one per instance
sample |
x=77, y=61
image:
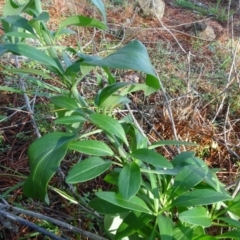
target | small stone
x=207, y=34
x=151, y=8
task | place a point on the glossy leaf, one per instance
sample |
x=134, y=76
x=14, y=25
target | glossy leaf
x=12, y=8
x=170, y=142
x=188, y=177
x=102, y=206
x=113, y=176
x=87, y=169
x=206, y=238
x=132, y=56
x=19, y=22
x=234, y=206
x=135, y=203
x=114, y=101
x=70, y=120
x=43, y=85
x=138, y=87
x=151, y=157
x=129, y=180
x=181, y=232
x=31, y=71
x=112, y=223
x=133, y=222
x=80, y=21
x=32, y=53
x=109, y=125
x=180, y=158
x=43, y=16
x=231, y=222
x=73, y=69
x=136, y=138
x=10, y=89
x=99, y=4
x=172, y=172
x=65, y=102
x=165, y=226
x=200, y=197
x=108, y=91
x=92, y=147
x=20, y=35
x=45, y=155
x=212, y=180
x=233, y=235
x=196, y=216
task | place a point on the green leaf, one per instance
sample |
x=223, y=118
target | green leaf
x=234, y=234
x=19, y=22
x=45, y=155
x=138, y=87
x=170, y=142
x=108, y=91
x=109, y=125
x=234, y=206
x=135, y=137
x=129, y=180
x=10, y=89
x=13, y=8
x=113, y=176
x=87, y=169
x=135, y=203
x=114, y=101
x=72, y=69
x=151, y=157
x=231, y=222
x=29, y=70
x=104, y=207
x=132, y=56
x=206, y=238
x=112, y=223
x=92, y=147
x=200, y=197
x=81, y=21
x=165, y=226
x=33, y=54
x=188, y=177
x=110, y=77
x=181, y=232
x=65, y=102
x=99, y=4
x=43, y=85
x=196, y=216
x=43, y=16
x=70, y=120
x=212, y=180
x=20, y=35
x=182, y=157
x=132, y=223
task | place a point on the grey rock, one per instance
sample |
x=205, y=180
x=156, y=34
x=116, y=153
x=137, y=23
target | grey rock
x=151, y=8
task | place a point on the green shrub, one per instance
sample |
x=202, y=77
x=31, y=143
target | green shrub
x=151, y=197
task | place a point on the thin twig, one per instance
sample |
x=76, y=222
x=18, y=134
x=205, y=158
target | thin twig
x=136, y=123
x=228, y=81
x=167, y=148
x=52, y=220
x=169, y=112
x=237, y=189
x=22, y=85
x=165, y=28
x=29, y=224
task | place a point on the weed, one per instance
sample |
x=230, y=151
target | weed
x=220, y=13
x=148, y=196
